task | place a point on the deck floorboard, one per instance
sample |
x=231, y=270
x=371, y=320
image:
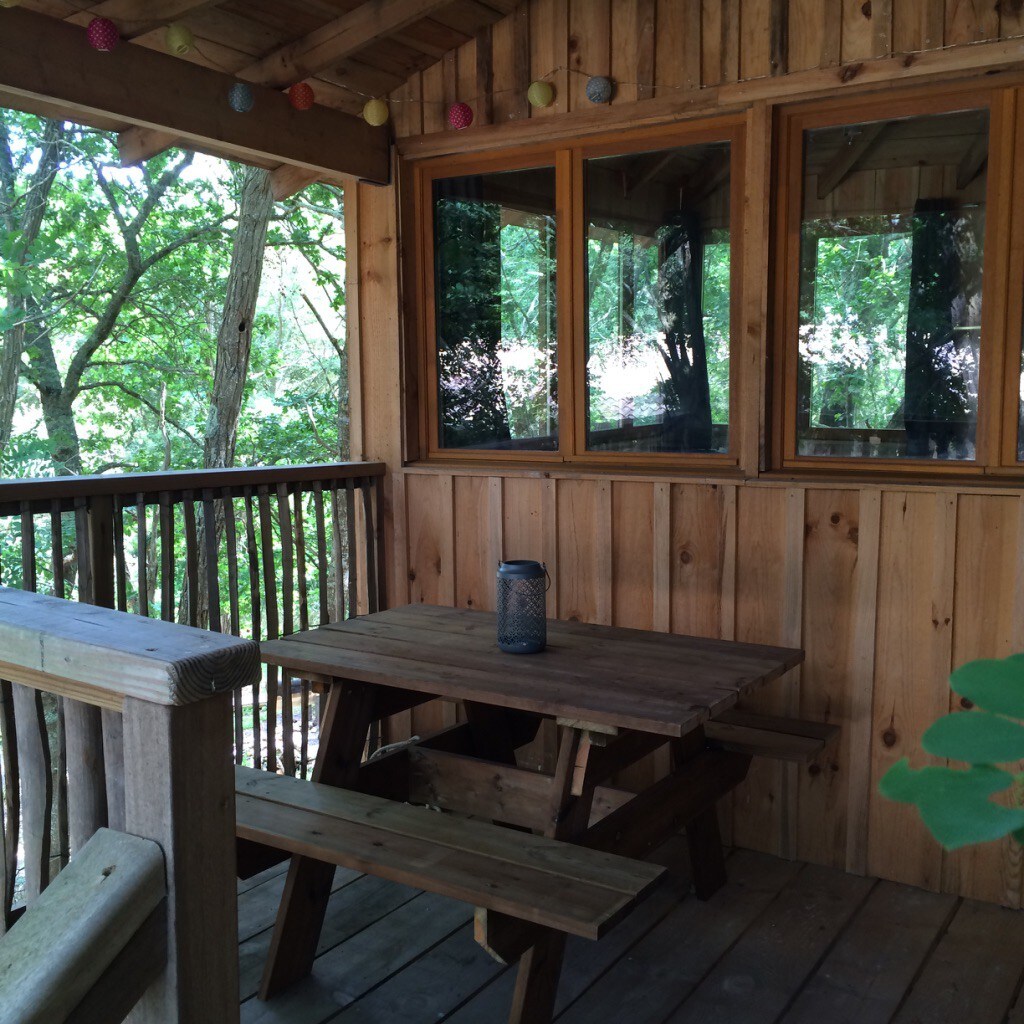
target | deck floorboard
x=782, y=943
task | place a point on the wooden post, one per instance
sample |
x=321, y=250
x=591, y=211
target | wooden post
x=180, y=793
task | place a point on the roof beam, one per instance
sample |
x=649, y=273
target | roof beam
x=847, y=157
x=42, y=58
x=340, y=38
x=287, y=179
x=137, y=17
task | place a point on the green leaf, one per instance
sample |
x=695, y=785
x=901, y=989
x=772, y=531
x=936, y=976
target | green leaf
x=995, y=685
x=977, y=737
x=955, y=805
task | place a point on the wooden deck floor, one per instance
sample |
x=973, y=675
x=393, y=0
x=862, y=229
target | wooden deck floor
x=783, y=943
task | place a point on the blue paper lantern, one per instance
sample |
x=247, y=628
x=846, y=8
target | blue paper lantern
x=522, y=619
x=241, y=98
x=599, y=89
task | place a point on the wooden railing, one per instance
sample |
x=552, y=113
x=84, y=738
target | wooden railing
x=257, y=553
x=144, y=925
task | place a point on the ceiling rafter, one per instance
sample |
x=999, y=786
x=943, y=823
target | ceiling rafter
x=848, y=156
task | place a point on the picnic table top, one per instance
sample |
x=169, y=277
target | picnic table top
x=604, y=676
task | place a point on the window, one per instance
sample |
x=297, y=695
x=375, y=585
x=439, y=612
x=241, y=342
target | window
x=495, y=310
x=886, y=349
x=578, y=304
x=657, y=297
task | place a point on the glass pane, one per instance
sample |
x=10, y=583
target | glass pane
x=1020, y=412
x=494, y=281
x=658, y=301
x=890, y=287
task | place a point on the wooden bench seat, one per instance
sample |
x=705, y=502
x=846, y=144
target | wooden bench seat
x=787, y=739
x=550, y=883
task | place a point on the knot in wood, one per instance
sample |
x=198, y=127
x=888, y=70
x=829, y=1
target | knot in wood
x=889, y=737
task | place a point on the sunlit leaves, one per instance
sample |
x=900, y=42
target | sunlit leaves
x=955, y=804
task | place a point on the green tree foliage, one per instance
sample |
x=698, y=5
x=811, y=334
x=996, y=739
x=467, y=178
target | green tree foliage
x=118, y=296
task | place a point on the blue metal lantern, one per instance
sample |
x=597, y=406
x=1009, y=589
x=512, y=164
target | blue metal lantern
x=522, y=621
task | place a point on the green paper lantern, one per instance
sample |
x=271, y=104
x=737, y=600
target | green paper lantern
x=179, y=39
x=540, y=94
x=376, y=112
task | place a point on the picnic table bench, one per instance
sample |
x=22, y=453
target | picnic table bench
x=541, y=856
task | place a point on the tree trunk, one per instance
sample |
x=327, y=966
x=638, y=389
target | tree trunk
x=58, y=408
x=34, y=202
x=234, y=343
x=234, y=338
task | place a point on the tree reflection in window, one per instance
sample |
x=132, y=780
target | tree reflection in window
x=495, y=307
x=658, y=259
x=890, y=288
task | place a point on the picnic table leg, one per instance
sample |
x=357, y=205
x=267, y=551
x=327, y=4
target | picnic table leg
x=703, y=836
x=307, y=889
x=533, y=1001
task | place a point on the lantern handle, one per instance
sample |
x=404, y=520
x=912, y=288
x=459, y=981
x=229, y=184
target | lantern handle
x=547, y=576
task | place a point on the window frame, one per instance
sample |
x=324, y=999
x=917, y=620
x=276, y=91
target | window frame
x=722, y=129
x=784, y=350
x=567, y=159
x=1014, y=296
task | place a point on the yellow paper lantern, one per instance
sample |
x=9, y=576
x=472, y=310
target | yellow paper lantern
x=540, y=94
x=376, y=112
x=179, y=39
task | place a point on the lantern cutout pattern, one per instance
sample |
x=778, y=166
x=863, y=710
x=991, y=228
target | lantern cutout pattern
x=522, y=617
x=460, y=115
x=540, y=94
x=241, y=98
x=599, y=89
x=179, y=39
x=301, y=96
x=376, y=112
x=102, y=35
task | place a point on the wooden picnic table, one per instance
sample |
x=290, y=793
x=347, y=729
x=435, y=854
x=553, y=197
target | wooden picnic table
x=616, y=695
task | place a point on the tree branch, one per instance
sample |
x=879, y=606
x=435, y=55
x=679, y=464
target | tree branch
x=97, y=384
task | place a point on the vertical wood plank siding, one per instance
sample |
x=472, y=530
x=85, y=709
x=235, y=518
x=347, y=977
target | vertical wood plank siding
x=885, y=586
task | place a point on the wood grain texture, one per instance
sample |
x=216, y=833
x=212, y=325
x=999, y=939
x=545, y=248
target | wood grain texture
x=90, y=913
x=117, y=655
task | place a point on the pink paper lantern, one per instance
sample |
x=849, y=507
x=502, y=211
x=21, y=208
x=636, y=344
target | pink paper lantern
x=460, y=115
x=301, y=97
x=102, y=34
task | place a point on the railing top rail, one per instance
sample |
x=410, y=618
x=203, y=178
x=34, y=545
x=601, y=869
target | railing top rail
x=101, y=656
x=13, y=492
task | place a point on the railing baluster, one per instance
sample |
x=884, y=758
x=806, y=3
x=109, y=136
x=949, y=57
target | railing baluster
x=167, y=559
x=284, y=520
x=321, y=552
x=12, y=795
x=141, y=525
x=369, y=535
x=188, y=508
x=36, y=787
x=120, y=571
x=338, y=554
x=270, y=604
x=377, y=554
x=231, y=553
x=303, y=585
x=28, y=548
x=254, y=602
x=350, y=548
x=212, y=561
x=57, y=547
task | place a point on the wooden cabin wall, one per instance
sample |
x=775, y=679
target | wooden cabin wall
x=885, y=586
